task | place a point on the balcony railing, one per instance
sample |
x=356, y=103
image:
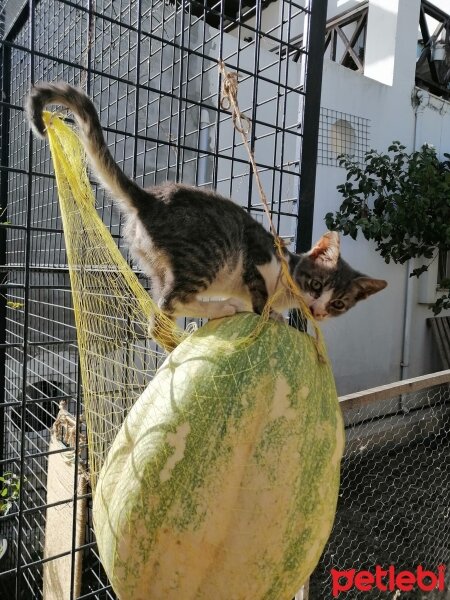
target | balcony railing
x=346, y=39
x=433, y=63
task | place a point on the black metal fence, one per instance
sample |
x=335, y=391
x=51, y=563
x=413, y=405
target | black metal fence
x=151, y=68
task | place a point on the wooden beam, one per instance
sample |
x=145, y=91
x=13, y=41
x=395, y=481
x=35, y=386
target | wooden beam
x=424, y=26
x=348, y=16
x=327, y=39
x=434, y=12
x=360, y=27
x=391, y=390
x=348, y=49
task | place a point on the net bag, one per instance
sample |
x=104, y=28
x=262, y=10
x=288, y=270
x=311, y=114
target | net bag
x=215, y=475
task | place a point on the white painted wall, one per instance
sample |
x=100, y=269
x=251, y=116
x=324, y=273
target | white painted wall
x=366, y=344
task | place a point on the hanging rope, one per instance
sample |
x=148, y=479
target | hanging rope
x=242, y=125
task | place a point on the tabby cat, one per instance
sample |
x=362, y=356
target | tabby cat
x=205, y=255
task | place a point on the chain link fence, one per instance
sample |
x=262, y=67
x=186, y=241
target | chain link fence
x=394, y=503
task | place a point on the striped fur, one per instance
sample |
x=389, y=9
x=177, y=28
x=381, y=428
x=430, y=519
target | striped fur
x=205, y=255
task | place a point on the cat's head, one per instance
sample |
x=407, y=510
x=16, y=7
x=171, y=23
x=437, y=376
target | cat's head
x=331, y=286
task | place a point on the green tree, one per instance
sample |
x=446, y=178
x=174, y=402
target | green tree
x=401, y=201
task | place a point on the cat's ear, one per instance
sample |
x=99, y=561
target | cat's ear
x=366, y=286
x=326, y=251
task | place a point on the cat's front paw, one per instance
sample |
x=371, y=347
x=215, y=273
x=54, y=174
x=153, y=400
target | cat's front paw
x=226, y=308
x=275, y=316
x=231, y=307
x=239, y=305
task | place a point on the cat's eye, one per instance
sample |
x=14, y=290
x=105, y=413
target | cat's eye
x=316, y=285
x=337, y=304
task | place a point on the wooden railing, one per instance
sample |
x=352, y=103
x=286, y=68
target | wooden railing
x=392, y=390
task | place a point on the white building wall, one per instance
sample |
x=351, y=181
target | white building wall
x=337, y=7
x=366, y=345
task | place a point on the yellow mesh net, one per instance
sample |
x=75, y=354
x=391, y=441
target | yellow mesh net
x=112, y=309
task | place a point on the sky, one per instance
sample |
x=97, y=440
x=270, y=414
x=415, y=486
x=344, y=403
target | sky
x=442, y=4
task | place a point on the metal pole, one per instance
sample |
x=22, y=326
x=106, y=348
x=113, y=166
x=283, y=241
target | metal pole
x=5, y=71
x=312, y=69
x=311, y=115
x=26, y=319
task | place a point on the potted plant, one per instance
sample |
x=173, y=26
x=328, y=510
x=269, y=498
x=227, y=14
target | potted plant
x=9, y=493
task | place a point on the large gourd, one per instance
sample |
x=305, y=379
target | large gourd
x=223, y=480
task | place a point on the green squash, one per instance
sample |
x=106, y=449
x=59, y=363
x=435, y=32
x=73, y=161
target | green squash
x=223, y=480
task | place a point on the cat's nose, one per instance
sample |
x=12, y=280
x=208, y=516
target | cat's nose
x=318, y=313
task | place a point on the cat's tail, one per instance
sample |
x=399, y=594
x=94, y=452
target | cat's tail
x=102, y=162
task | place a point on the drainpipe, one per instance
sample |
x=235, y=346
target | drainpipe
x=407, y=319
x=417, y=102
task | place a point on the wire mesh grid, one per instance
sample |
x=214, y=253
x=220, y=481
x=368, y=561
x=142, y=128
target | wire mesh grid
x=151, y=68
x=394, y=502
x=342, y=133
